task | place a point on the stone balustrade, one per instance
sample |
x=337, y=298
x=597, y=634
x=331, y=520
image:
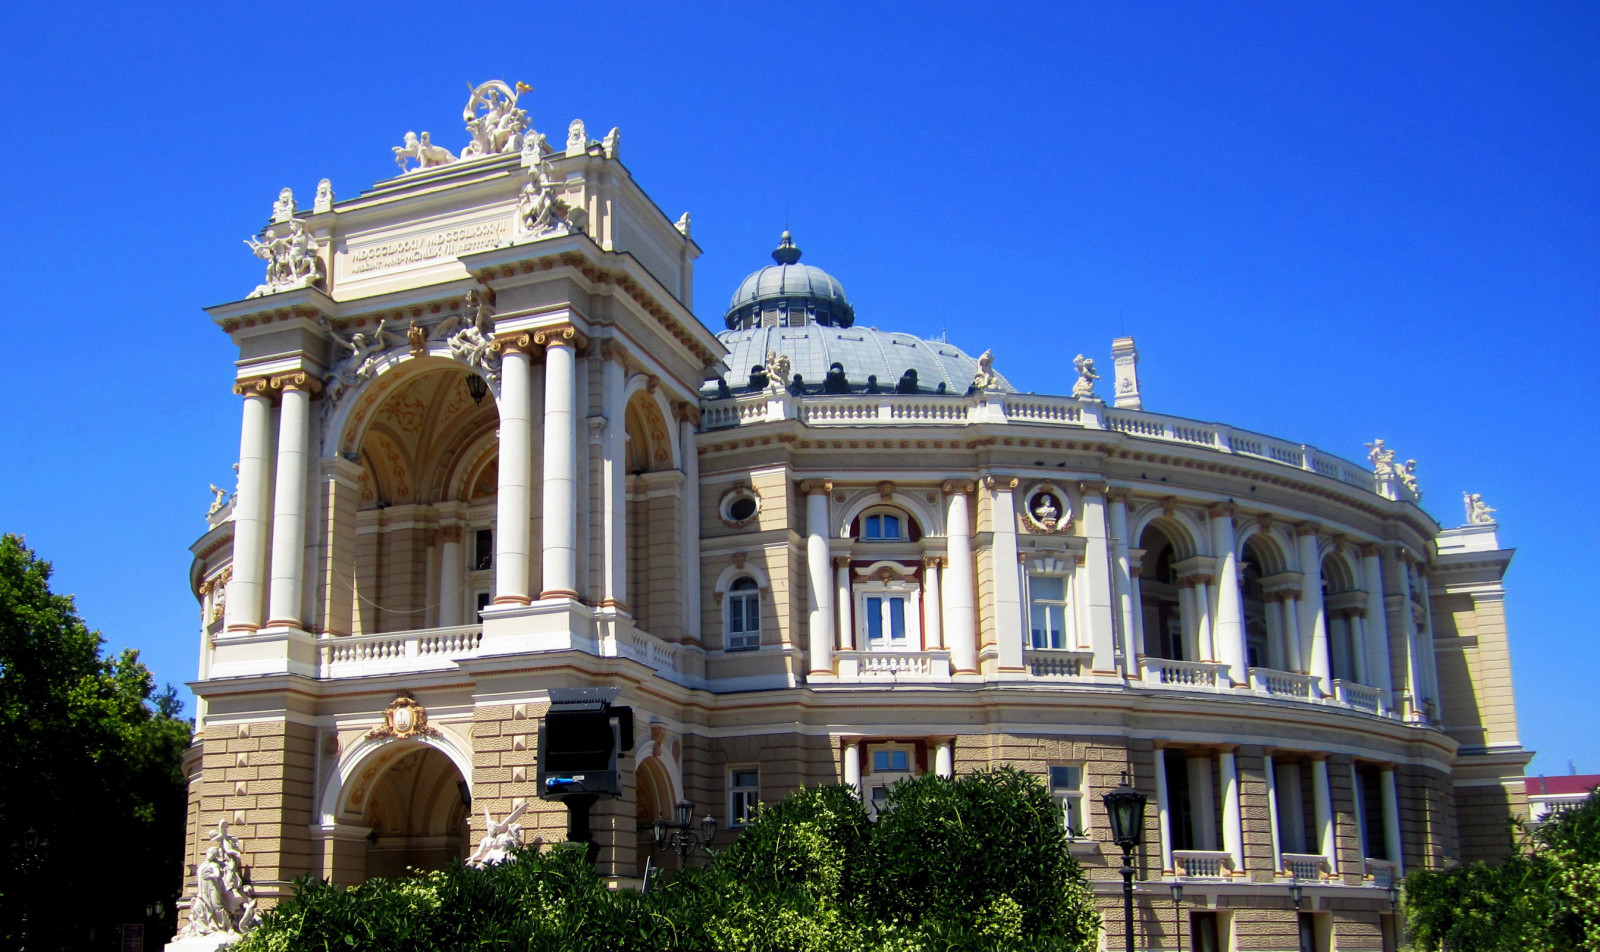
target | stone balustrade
x=893, y=665
x=1056, y=662
x=1184, y=674
x=1284, y=683
x=1359, y=696
x=1381, y=872
x=1303, y=865
x=1203, y=864
x=422, y=649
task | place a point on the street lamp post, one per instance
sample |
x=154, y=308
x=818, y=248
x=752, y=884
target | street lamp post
x=1125, y=809
x=680, y=835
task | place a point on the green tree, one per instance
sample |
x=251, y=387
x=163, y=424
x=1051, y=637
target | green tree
x=1546, y=896
x=90, y=759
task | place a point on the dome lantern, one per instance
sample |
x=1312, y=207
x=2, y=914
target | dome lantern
x=787, y=293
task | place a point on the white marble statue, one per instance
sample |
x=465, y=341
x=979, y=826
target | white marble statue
x=577, y=138
x=471, y=339
x=1408, y=476
x=283, y=209
x=498, y=838
x=611, y=143
x=1045, y=511
x=777, y=371
x=292, y=260
x=219, y=498
x=536, y=204
x=1479, y=513
x=324, y=199
x=682, y=224
x=1084, y=388
x=1382, y=459
x=427, y=155
x=985, y=376
x=498, y=128
x=366, y=350
x=224, y=902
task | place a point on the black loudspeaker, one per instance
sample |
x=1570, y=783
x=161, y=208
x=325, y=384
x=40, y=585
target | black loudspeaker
x=580, y=739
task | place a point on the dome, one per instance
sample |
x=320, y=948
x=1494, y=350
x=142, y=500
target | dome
x=862, y=351
x=788, y=292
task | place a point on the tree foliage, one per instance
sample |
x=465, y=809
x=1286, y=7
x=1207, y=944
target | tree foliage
x=89, y=758
x=976, y=863
x=1546, y=896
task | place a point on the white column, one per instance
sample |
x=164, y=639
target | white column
x=1358, y=811
x=1391, y=822
x=1228, y=627
x=1008, y=623
x=1276, y=637
x=1232, y=822
x=1375, y=627
x=842, y=603
x=959, y=630
x=852, y=765
x=1163, y=811
x=1097, y=568
x=1358, y=647
x=285, y=600
x=559, y=516
x=1122, y=582
x=1291, y=633
x=1427, y=660
x=1204, y=636
x=944, y=764
x=1322, y=806
x=690, y=448
x=931, y=607
x=450, y=569
x=1313, y=629
x=516, y=478
x=250, y=510
x=819, y=581
x=614, y=494
x=1135, y=596
x=1272, y=813
x=1190, y=619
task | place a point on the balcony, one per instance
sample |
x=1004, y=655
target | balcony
x=426, y=649
x=1284, y=683
x=1203, y=864
x=1303, y=865
x=893, y=665
x=1056, y=663
x=1358, y=696
x=1207, y=675
x=1381, y=872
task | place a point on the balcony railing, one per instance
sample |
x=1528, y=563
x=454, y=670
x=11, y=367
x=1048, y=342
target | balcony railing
x=1286, y=683
x=1184, y=674
x=1203, y=864
x=1304, y=865
x=419, y=650
x=1381, y=872
x=893, y=665
x=1359, y=696
x=1057, y=662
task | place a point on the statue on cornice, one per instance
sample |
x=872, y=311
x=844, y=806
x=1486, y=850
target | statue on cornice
x=500, y=126
x=1382, y=459
x=1479, y=513
x=284, y=208
x=1408, y=476
x=224, y=901
x=324, y=199
x=471, y=339
x=777, y=367
x=365, y=351
x=218, y=501
x=292, y=260
x=1084, y=388
x=985, y=377
x=428, y=155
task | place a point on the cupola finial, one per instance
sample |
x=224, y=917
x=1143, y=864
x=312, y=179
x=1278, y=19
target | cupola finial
x=786, y=252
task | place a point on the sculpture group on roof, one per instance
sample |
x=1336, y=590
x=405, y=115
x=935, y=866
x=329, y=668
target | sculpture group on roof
x=494, y=122
x=293, y=259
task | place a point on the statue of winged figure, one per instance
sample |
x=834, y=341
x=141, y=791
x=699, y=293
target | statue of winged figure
x=498, y=838
x=500, y=126
x=365, y=351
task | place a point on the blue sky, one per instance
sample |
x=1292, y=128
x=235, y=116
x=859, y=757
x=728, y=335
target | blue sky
x=1326, y=222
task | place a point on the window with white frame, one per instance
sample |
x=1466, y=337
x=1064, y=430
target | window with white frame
x=744, y=793
x=1067, y=789
x=888, y=614
x=883, y=525
x=890, y=764
x=744, y=615
x=1047, y=606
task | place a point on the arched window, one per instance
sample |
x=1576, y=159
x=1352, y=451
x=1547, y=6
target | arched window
x=1166, y=632
x=883, y=525
x=744, y=615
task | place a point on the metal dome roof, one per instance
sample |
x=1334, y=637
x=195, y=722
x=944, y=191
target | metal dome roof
x=789, y=285
x=863, y=351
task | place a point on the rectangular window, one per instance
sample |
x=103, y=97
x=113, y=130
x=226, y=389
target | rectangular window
x=886, y=622
x=744, y=616
x=1066, y=786
x=891, y=761
x=744, y=793
x=483, y=550
x=882, y=526
x=1047, y=595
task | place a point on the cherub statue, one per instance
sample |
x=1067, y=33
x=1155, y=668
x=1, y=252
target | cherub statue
x=417, y=339
x=777, y=367
x=1479, y=513
x=1382, y=459
x=1084, y=388
x=498, y=838
x=218, y=500
x=984, y=378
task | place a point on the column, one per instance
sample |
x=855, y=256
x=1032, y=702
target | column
x=1204, y=637
x=1097, y=565
x=688, y=425
x=516, y=478
x=944, y=759
x=1190, y=618
x=559, y=516
x=340, y=491
x=1136, y=597
x=1163, y=811
x=1275, y=632
x=1322, y=806
x=1272, y=813
x=1358, y=811
x=1228, y=627
x=931, y=610
x=450, y=566
x=1122, y=582
x=819, y=582
x=1391, y=822
x=842, y=603
x=1008, y=622
x=1358, y=646
x=1291, y=629
x=959, y=630
x=1427, y=661
x=614, y=473
x=250, y=510
x=1312, y=627
x=1232, y=821
x=1375, y=633
x=852, y=765
x=286, y=595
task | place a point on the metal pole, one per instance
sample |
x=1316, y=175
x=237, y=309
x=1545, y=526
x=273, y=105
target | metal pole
x=1127, y=893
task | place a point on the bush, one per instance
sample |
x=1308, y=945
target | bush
x=977, y=863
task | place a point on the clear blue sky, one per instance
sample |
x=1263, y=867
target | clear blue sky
x=1327, y=222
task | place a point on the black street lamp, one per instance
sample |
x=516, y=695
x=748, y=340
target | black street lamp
x=1125, y=809
x=1177, y=913
x=680, y=835
x=477, y=388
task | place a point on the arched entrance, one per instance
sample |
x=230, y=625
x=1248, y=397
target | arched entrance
x=417, y=812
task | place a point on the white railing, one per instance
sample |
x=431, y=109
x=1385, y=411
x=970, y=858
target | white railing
x=1184, y=674
x=1381, y=872
x=1304, y=865
x=1056, y=662
x=1208, y=864
x=1286, y=683
x=648, y=650
x=898, y=665
x=398, y=650
x=1359, y=696
x=877, y=409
